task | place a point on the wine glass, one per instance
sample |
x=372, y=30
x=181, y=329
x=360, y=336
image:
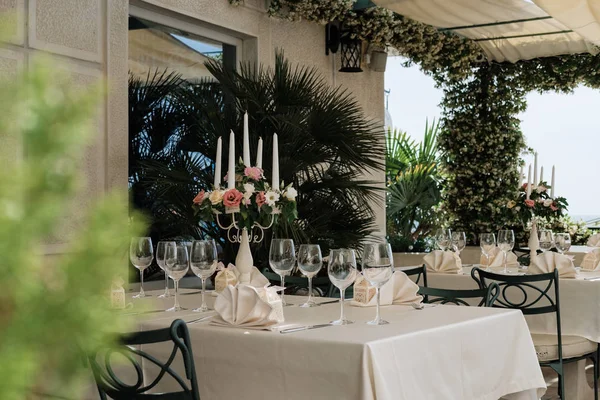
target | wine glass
x=562, y=241
x=506, y=242
x=310, y=261
x=177, y=262
x=377, y=268
x=282, y=258
x=341, y=269
x=161, y=248
x=546, y=240
x=459, y=241
x=487, y=242
x=443, y=238
x=203, y=262
x=141, y=255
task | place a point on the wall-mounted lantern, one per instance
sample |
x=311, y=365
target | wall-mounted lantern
x=351, y=48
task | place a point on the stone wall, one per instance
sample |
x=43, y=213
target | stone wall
x=89, y=40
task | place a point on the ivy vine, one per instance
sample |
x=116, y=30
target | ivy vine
x=481, y=138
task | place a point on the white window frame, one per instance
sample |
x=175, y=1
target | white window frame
x=198, y=29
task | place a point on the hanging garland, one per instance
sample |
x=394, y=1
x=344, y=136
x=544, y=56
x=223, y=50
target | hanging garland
x=481, y=139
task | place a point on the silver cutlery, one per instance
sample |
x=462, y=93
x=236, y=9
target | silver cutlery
x=592, y=278
x=304, y=328
x=205, y=318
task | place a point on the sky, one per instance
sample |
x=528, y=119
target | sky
x=562, y=128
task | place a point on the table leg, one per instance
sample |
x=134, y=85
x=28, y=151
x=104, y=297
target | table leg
x=576, y=386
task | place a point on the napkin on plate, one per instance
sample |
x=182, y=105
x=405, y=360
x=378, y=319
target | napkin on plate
x=591, y=260
x=446, y=262
x=549, y=261
x=400, y=289
x=497, y=259
x=241, y=306
x=231, y=276
x=594, y=240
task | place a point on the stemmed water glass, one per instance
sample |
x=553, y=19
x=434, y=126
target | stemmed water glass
x=203, y=262
x=546, y=240
x=506, y=242
x=310, y=261
x=341, y=269
x=161, y=249
x=487, y=242
x=562, y=241
x=377, y=268
x=141, y=255
x=443, y=238
x=458, y=241
x=177, y=261
x=282, y=258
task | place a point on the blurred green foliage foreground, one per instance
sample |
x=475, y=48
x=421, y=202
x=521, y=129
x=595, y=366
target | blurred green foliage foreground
x=52, y=310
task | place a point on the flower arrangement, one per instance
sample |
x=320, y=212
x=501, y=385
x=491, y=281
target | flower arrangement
x=538, y=204
x=252, y=198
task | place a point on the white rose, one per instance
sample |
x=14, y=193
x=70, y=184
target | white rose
x=248, y=190
x=271, y=198
x=548, y=202
x=291, y=194
x=216, y=197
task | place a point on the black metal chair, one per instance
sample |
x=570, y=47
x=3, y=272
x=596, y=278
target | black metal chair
x=420, y=272
x=532, y=294
x=111, y=387
x=486, y=296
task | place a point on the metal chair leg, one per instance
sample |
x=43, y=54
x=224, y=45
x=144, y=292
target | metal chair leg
x=561, y=387
x=595, y=359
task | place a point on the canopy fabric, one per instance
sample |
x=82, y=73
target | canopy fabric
x=512, y=30
x=583, y=16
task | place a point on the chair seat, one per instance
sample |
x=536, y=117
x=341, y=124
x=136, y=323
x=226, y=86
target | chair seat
x=546, y=346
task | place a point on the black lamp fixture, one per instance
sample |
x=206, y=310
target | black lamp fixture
x=336, y=37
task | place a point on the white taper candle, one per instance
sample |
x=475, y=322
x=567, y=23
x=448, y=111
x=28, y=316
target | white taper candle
x=231, y=169
x=529, y=182
x=275, y=176
x=218, y=163
x=552, y=184
x=541, y=174
x=246, y=143
x=535, y=169
x=521, y=175
x=259, y=153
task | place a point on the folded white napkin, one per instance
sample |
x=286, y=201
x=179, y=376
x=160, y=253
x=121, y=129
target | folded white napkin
x=241, y=306
x=446, y=262
x=257, y=279
x=497, y=259
x=594, y=240
x=400, y=289
x=549, y=261
x=591, y=261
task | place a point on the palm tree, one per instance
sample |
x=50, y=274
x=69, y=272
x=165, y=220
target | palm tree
x=414, y=185
x=325, y=145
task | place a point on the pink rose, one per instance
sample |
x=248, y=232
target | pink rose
x=524, y=187
x=530, y=203
x=199, y=197
x=260, y=199
x=253, y=173
x=232, y=198
x=553, y=207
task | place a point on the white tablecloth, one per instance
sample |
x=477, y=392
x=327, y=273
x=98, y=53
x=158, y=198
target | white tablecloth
x=579, y=303
x=442, y=352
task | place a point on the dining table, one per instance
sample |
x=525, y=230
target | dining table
x=437, y=352
x=579, y=305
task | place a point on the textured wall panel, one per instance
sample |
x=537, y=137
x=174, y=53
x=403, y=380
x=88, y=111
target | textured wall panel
x=15, y=8
x=68, y=27
x=117, y=110
x=92, y=163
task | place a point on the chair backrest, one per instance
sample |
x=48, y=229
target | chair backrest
x=420, y=272
x=532, y=294
x=487, y=296
x=110, y=385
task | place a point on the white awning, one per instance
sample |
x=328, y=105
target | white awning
x=512, y=30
